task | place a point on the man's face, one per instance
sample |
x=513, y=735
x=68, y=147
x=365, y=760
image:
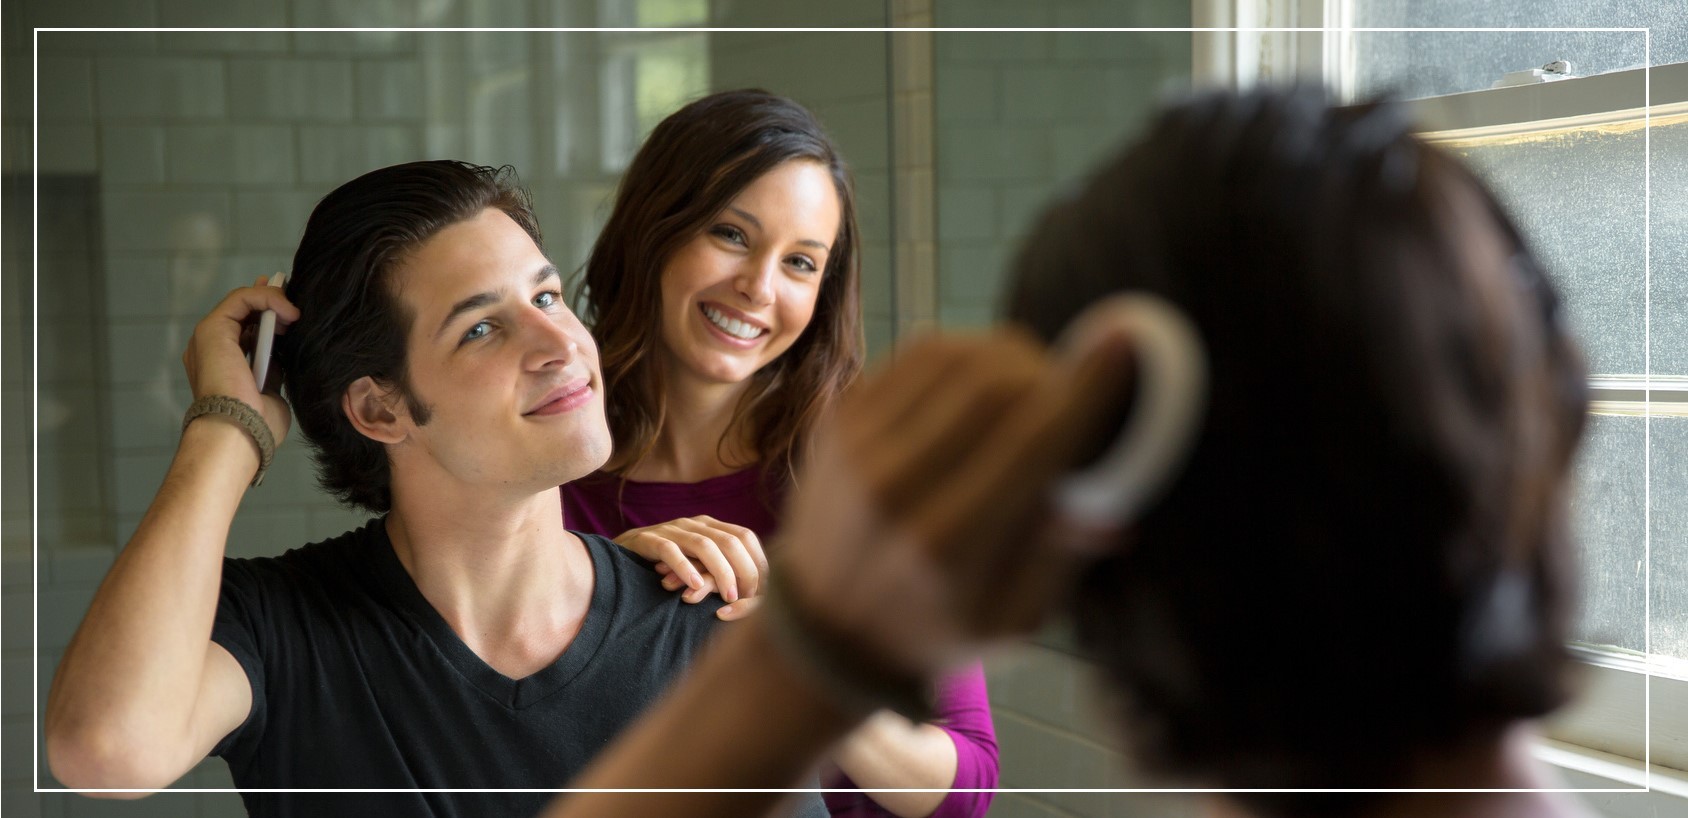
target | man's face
x=508, y=374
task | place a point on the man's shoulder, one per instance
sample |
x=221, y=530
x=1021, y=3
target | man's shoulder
x=637, y=587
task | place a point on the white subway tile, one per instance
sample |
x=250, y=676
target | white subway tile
x=61, y=610
x=334, y=154
x=178, y=222
x=217, y=43
x=64, y=295
x=238, y=154
x=112, y=13
x=1009, y=153
x=272, y=220
x=881, y=334
x=80, y=566
x=389, y=89
x=68, y=419
x=876, y=278
x=137, y=477
x=874, y=208
x=136, y=286
x=66, y=149
x=144, y=423
x=970, y=273
x=1079, y=148
x=1022, y=203
x=65, y=352
x=138, y=352
x=954, y=316
x=815, y=69
x=859, y=126
x=100, y=43
x=131, y=154
x=991, y=47
x=66, y=89
x=152, y=87
x=967, y=212
x=356, y=43
x=776, y=13
x=223, y=13
x=996, y=14
x=1030, y=95
x=290, y=89
x=265, y=533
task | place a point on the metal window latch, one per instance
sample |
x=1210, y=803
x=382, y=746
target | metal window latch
x=1553, y=71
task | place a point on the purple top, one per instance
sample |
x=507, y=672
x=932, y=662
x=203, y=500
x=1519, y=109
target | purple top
x=605, y=504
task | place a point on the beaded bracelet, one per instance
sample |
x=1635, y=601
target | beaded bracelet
x=841, y=666
x=248, y=418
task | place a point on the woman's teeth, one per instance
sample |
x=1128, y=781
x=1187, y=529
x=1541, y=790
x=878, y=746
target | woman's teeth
x=731, y=326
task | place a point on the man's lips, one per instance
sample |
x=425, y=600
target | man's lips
x=569, y=396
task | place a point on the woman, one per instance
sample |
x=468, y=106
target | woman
x=723, y=295
x=1359, y=579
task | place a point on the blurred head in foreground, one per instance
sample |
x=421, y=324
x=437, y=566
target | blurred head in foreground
x=1366, y=562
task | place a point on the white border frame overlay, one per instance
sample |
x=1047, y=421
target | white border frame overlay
x=35, y=385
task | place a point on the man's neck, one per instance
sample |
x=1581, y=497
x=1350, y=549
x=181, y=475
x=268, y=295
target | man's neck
x=693, y=443
x=1498, y=762
x=512, y=583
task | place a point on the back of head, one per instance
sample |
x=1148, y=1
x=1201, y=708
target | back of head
x=352, y=323
x=693, y=164
x=1366, y=557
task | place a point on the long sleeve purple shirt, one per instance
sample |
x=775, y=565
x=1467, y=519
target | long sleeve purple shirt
x=607, y=505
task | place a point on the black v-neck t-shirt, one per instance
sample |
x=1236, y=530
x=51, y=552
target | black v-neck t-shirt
x=359, y=683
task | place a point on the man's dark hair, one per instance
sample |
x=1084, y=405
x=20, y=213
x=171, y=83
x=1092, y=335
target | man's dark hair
x=1366, y=559
x=351, y=321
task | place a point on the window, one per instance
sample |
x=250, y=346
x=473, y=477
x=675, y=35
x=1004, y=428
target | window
x=1570, y=158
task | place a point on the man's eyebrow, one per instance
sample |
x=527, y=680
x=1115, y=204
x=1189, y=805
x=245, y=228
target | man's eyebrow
x=479, y=300
x=757, y=223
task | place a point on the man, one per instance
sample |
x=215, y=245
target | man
x=465, y=639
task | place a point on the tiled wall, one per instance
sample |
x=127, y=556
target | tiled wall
x=1021, y=113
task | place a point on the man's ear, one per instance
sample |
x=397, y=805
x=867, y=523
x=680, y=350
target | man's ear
x=376, y=411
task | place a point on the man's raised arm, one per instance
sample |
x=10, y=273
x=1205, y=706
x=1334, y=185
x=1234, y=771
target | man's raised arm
x=143, y=694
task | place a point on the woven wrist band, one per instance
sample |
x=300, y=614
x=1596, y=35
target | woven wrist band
x=842, y=667
x=238, y=411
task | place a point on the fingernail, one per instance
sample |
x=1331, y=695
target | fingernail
x=695, y=580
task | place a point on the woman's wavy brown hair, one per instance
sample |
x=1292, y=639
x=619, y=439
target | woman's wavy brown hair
x=693, y=164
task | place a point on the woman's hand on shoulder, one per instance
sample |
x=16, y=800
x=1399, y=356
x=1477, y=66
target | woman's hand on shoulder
x=703, y=555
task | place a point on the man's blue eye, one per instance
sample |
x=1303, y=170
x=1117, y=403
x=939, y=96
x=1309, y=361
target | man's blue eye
x=545, y=299
x=480, y=329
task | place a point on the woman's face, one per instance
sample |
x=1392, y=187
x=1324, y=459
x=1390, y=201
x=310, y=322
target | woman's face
x=739, y=293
